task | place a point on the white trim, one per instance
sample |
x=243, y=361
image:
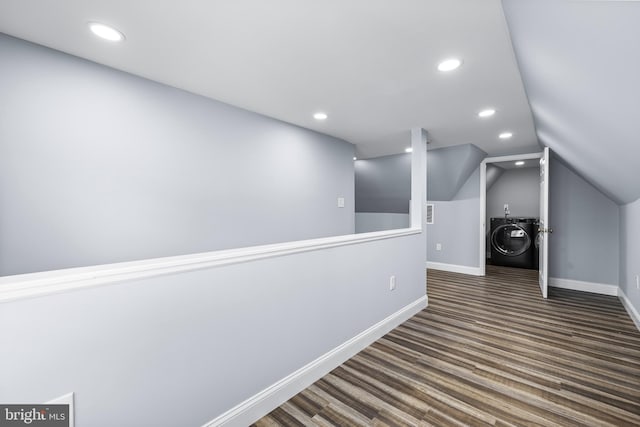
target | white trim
x=543, y=247
x=633, y=313
x=273, y=396
x=578, y=285
x=454, y=268
x=513, y=158
x=50, y=282
x=482, y=238
x=418, y=177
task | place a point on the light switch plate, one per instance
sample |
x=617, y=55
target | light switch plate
x=341, y=202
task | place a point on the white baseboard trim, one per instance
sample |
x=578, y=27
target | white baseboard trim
x=473, y=271
x=578, y=285
x=273, y=396
x=633, y=313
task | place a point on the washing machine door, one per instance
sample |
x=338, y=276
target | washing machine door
x=510, y=240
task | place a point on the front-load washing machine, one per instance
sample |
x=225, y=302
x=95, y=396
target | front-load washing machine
x=513, y=242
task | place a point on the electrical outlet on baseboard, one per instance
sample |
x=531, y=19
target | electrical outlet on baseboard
x=392, y=283
x=638, y=281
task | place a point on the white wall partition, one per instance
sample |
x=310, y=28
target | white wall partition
x=231, y=340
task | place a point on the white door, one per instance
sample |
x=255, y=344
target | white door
x=543, y=229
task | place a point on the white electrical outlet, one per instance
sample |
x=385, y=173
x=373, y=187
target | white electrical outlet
x=392, y=283
x=438, y=246
x=637, y=281
x=341, y=202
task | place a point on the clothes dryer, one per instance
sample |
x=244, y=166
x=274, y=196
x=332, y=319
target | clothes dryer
x=513, y=242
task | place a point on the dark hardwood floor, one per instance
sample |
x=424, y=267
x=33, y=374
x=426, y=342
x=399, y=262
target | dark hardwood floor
x=487, y=351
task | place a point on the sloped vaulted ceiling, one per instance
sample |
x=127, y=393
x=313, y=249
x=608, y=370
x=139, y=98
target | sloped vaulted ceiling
x=580, y=64
x=449, y=168
x=371, y=65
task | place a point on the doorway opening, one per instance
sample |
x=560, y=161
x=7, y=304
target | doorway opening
x=514, y=210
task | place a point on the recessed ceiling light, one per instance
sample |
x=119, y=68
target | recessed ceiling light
x=106, y=32
x=408, y=150
x=355, y=158
x=487, y=113
x=320, y=116
x=520, y=163
x=505, y=135
x=449, y=64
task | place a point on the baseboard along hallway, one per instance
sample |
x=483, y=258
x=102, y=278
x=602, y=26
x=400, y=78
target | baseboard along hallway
x=487, y=351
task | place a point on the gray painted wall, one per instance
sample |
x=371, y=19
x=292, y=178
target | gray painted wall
x=449, y=168
x=585, y=241
x=372, y=221
x=180, y=349
x=383, y=184
x=630, y=251
x=492, y=175
x=453, y=186
x=520, y=188
x=456, y=226
x=380, y=180
x=99, y=166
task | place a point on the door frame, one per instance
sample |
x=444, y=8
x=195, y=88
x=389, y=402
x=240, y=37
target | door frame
x=482, y=250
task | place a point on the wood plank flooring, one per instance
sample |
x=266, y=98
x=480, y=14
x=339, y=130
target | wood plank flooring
x=487, y=351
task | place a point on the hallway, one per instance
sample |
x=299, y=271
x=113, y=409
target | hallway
x=487, y=351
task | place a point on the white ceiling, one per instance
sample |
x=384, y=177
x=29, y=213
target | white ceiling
x=530, y=163
x=369, y=64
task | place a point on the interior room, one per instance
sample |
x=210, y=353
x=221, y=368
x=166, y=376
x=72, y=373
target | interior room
x=284, y=213
x=513, y=213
